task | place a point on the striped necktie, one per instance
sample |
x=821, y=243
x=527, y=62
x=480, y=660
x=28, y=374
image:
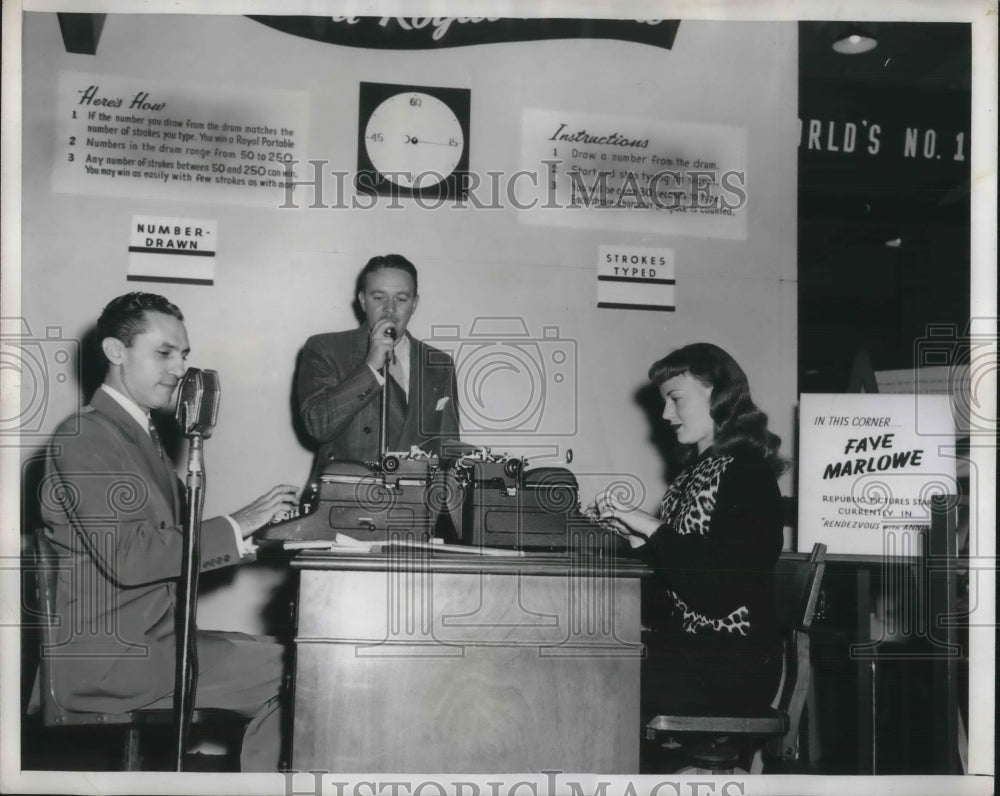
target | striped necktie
x=399, y=378
x=155, y=436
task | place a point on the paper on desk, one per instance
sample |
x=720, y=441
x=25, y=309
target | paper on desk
x=342, y=543
x=343, y=540
x=469, y=550
x=347, y=544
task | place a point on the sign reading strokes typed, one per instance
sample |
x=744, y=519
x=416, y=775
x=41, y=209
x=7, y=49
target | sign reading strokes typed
x=124, y=137
x=638, y=278
x=869, y=466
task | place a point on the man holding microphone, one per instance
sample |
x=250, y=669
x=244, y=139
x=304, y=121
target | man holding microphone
x=341, y=375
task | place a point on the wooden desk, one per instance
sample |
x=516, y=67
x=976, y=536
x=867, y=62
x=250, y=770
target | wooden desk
x=410, y=661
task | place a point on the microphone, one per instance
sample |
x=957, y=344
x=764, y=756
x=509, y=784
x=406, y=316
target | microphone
x=392, y=334
x=198, y=402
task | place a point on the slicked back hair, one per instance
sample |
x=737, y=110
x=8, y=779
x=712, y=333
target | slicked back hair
x=125, y=317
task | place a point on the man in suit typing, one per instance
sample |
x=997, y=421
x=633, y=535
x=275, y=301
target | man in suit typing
x=112, y=505
x=341, y=375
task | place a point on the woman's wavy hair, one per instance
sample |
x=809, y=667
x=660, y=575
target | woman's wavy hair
x=739, y=425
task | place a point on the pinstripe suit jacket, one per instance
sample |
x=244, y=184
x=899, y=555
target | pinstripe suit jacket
x=339, y=402
x=113, y=510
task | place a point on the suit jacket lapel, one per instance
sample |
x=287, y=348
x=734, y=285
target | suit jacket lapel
x=416, y=363
x=174, y=483
x=162, y=475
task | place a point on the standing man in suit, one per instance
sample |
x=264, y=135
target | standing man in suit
x=341, y=375
x=112, y=505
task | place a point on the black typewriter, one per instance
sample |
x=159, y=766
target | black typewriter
x=392, y=498
x=505, y=504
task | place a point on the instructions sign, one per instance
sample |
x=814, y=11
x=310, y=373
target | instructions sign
x=121, y=136
x=627, y=173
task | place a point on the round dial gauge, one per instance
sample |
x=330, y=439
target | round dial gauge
x=414, y=140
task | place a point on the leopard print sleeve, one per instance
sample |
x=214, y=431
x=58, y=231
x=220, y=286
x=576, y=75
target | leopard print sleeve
x=721, y=532
x=688, y=505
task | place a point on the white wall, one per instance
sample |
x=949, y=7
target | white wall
x=284, y=274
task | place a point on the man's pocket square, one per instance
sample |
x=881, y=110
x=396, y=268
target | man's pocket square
x=441, y=404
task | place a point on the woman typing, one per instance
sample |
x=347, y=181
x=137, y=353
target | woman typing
x=715, y=643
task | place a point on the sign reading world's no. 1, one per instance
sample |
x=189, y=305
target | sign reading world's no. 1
x=869, y=466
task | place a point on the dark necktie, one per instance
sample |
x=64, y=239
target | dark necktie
x=155, y=436
x=397, y=380
x=396, y=397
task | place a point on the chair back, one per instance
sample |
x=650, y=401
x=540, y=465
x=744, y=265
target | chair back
x=797, y=588
x=47, y=566
x=46, y=577
x=46, y=569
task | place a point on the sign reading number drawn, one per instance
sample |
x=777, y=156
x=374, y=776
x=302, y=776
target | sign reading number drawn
x=165, y=249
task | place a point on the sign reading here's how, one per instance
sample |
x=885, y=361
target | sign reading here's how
x=167, y=249
x=869, y=466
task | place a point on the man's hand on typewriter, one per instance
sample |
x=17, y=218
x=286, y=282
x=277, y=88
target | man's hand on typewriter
x=267, y=508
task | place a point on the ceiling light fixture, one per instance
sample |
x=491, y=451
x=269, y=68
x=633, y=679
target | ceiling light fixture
x=854, y=43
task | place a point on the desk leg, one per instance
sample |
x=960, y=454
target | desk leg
x=866, y=677
x=940, y=581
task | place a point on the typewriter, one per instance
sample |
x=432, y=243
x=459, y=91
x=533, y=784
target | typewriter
x=392, y=498
x=507, y=505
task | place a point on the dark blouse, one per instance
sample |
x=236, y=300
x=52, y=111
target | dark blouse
x=715, y=553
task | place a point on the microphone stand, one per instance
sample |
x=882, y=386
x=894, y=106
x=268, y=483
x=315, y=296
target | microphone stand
x=383, y=428
x=186, y=675
x=197, y=406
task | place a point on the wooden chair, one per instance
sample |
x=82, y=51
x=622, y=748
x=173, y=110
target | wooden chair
x=709, y=741
x=54, y=715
